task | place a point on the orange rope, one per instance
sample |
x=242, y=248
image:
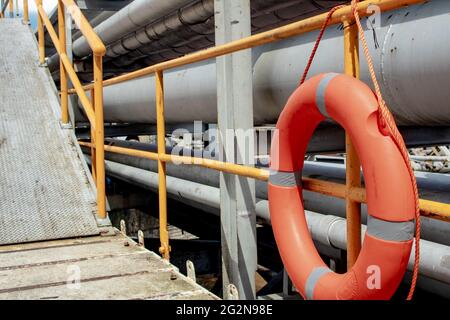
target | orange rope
x=316, y=45
x=386, y=121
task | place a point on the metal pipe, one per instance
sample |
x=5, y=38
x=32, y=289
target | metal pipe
x=191, y=91
x=41, y=36
x=189, y=16
x=128, y=19
x=428, y=208
x=434, y=186
x=63, y=73
x=192, y=28
x=326, y=229
x=93, y=134
x=162, y=190
x=99, y=136
x=4, y=5
x=84, y=101
x=430, y=158
x=94, y=43
x=263, y=38
x=353, y=164
x=26, y=16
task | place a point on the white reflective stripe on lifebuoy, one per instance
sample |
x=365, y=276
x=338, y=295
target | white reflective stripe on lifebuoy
x=389, y=230
x=285, y=179
x=320, y=94
x=313, y=277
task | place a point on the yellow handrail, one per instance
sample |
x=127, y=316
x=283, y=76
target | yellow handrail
x=352, y=163
x=26, y=16
x=95, y=116
x=274, y=35
x=429, y=208
x=68, y=67
x=94, y=41
x=3, y=8
x=352, y=192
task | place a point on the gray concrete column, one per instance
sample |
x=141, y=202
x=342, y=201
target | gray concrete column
x=235, y=111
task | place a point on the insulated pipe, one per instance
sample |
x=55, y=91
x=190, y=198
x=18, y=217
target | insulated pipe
x=135, y=15
x=326, y=229
x=433, y=186
x=185, y=29
x=410, y=52
x=189, y=16
x=53, y=61
x=192, y=27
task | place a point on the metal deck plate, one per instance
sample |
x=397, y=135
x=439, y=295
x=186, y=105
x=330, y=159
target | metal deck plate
x=44, y=190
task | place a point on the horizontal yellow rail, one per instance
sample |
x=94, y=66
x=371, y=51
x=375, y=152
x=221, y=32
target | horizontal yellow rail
x=429, y=208
x=262, y=38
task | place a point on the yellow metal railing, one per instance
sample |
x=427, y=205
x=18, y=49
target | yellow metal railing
x=351, y=191
x=429, y=208
x=93, y=107
x=353, y=164
x=10, y=4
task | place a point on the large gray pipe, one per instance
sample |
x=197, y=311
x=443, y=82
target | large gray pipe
x=135, y=15
x=433, y=186
x=326, y=229
x=189, y=16
x=410, y=52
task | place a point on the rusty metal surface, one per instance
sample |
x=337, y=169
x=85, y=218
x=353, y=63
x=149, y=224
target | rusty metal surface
x=44, y=191
x=91, y=268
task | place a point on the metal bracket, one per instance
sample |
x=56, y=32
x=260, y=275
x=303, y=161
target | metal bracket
x=190, y=270
x=45, y=64
x=104, y=225
x=141, y=238
x=65, y=126
x=232, y=292
x=123, y=227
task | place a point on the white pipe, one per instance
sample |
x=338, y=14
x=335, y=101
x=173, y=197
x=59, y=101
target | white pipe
x=135, y=15
x=410, y=56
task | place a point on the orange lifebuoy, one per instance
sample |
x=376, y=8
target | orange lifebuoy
x=390, y=198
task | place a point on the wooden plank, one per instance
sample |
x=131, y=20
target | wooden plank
x=138, y=286
x=92, y=268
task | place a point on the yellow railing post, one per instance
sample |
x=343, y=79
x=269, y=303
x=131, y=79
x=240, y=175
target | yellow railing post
x=41, y=35
x=162, y=191
x=353, y=165
x=11, y=8
x=62, y=69
x=99, y=136
x=26, y=16
x=93, y=153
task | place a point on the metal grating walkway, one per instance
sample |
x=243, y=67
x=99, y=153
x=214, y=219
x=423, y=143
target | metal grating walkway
x=44, y=191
